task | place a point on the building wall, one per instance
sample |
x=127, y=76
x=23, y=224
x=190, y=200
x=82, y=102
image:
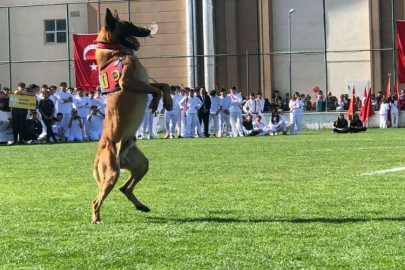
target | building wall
x=28, y=44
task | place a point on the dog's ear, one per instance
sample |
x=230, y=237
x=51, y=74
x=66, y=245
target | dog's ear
x=109, y=20
x=116, y=17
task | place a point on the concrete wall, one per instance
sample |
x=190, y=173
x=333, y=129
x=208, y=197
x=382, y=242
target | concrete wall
x=347, y=28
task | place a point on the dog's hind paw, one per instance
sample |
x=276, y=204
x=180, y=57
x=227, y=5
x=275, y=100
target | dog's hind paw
x=142, y=208
x=97, y=222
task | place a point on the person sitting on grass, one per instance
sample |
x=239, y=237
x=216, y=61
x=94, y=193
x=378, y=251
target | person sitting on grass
x=32, y=128
x=247, y=124
x=258, y=126
x=58, y=128
x=283, y=120
x=95, y=120
x=340, y=125
x=356, y=125
x=75, y=128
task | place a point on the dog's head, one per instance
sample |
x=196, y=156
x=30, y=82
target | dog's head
x=123, y=32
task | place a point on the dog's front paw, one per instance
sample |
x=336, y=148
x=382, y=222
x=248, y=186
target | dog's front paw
x=168, y=103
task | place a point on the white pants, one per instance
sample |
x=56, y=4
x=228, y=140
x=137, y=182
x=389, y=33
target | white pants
x=296, y=121
x=147, y=123
x=75, y=136
x=236, y=123
x=65, y=120
x=191, y=123
x=85, y=127
x=214, y=118
x=179, y=122
x=95, y=135
x=170, y=118
x=198, y=127
x=394, y=119
x=383, y=121
x=154, y=125
x=183, y=123
x=224, y=119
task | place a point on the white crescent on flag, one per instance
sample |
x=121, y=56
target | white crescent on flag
x=87, y=49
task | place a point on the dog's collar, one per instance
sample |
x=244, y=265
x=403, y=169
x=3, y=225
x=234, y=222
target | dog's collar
x=108, y=46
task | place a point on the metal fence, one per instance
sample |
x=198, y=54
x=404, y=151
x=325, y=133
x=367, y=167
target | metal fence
x=15, y=58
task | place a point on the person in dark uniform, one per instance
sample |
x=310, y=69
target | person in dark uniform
x=341, y=125
x=356, y=125
x=204, y=111
x=32, y=128
x=18, y=117
x=47, y=110
x=4, y=100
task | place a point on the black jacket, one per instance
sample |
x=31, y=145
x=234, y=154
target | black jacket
x=206, y=103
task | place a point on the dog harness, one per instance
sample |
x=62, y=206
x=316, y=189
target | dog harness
x=109, y=77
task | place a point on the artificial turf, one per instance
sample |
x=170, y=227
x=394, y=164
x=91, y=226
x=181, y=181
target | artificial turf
x=279, y=202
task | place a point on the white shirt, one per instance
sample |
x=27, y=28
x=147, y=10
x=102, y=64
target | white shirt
x=225, y=103
x=82, y=105
x=260, y=105
x=384, y=108
x=103, y=103
x=214, y=104
x=251, y=106
x=236, y=101
x=191, y=104
x=296, y=106
x=95, y=123
x=275, y=122
x=75, y=129
x=176, y=107
x=258, y=126
x=96, y=102
x=64, y=107
x=394, y=106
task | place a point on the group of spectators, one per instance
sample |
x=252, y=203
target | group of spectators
x=64, y=114
x=69, y=114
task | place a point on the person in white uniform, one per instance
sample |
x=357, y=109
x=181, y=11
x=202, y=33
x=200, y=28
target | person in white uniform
x=214, y=113
x=258, y=127
x=394, y=112
x=156, y=116
x=260, y=106
x=251, y=106
x=275, y=125
x=147, y=121
x=181, y=117
x=171, y=117
x=224, y=114
x=58, y=128
x=75, y=127
x=95, y=123
x=384, y=110
x=296, y=111
x=191, y=104
x=236, y=113
x=64, y=103
x=82, y=105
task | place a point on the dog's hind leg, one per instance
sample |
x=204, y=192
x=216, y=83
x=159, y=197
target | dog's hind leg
x=138, y=165
x=107, y=174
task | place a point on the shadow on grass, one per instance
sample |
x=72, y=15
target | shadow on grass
x=297, y=220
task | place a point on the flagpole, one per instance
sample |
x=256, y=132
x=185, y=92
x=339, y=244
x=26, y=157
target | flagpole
x=394, y=45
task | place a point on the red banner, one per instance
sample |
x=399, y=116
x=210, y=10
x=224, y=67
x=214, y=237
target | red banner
x=86, y=69
x=401, y=52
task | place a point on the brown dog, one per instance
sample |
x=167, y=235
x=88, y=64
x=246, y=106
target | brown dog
x=125, y=109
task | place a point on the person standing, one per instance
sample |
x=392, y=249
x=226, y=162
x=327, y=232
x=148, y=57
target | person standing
x=251, y=106
x=47, y=111
x=18, y=117
x=191, y=106
x=224, y=114
x=214, y=111
x=296, y=110
x=236, y=113
x=384, y=110
x=204, y=111
x=82, y=105
x=64, y=103
x=171, y=117
x=260, y=106
x=394, y=111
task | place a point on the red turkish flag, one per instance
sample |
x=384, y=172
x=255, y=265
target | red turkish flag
x=86, y=69
x=401, y=50
x=368, y=109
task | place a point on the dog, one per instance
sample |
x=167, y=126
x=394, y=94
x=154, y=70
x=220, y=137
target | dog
x=116, y=43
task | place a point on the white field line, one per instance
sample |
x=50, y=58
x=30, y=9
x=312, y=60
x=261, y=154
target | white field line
x=398, y=169
x=359, y=148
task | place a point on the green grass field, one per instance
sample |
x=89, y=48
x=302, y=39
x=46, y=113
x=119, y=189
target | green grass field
x=243, y=203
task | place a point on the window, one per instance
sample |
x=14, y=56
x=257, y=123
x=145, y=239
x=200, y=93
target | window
x=55, y=31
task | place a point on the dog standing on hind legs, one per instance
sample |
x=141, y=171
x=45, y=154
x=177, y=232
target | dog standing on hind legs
x=127, y=82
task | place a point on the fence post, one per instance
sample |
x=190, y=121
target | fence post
x=394, y=45
x=247, y=73
x=325, y=56
x=9, y=50
x=68, y=43
x=129, y=10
